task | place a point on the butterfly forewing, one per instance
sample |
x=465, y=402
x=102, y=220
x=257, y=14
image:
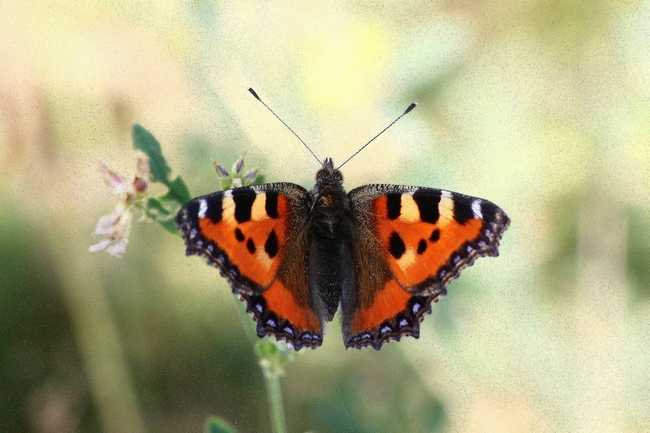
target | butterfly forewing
x=255, y=237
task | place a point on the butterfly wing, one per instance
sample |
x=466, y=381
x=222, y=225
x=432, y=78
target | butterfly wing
x=413, y=242
x=256, y=236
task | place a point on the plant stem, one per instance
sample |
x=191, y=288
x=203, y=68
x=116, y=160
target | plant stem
x=272, y=360
x=272, y=381
x=96, y=332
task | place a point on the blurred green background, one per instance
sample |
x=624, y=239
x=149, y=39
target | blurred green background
x=542, y=107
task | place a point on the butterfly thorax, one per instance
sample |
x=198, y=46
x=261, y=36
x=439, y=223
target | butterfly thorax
x=330, y=204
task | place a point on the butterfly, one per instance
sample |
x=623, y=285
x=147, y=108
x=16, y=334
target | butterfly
x=381, y=254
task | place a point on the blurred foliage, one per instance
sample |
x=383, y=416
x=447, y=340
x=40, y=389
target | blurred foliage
x=362, y=390
x=541, y=107
x=560, y=271
x=638, y=251
x=217, y=425
x=40, y=365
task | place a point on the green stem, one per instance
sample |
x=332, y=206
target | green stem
x=272, y=360
x=97, y=334
x=272, y=381
x=248, y=323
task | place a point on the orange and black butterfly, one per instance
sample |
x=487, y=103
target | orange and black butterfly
x=380, y=254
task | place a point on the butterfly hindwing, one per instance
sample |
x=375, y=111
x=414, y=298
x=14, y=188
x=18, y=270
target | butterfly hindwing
x=423, y=237
x=256, y=236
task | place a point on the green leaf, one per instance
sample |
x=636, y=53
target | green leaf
x=217, y=425
x=153, y=204
x=177, y=191
x=160, y=171
x=160, y=214
x=168, y=225
x=145, y=141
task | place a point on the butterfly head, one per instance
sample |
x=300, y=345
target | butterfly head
x=328, y=175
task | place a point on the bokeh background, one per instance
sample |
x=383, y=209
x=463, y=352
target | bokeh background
x=542, y=107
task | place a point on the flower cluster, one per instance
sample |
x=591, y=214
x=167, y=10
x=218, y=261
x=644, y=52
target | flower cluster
x=116, y=226
x=236, y=177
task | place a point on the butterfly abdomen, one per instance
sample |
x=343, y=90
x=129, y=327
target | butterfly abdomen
x=330, y=268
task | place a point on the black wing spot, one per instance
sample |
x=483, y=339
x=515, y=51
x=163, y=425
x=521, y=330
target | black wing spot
x=271, y=245
x=422, y=246
x=428, y=206
x=435, y=236
x=271, y=204
x=215, y=209
x=239, y=235
x=250, y=246
x=396, y=245
x=463, y=210
x=244, y=199
x=393, y=205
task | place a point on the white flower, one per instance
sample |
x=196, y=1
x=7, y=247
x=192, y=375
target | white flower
x=116, y=226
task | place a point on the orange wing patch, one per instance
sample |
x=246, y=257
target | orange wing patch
x=249, y=231
x=281, y=301
x=277, y=313
x=418, y=250
x=422, y=231
x=393, y=314
x=387, y=304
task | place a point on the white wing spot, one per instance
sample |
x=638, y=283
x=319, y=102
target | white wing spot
x=203, y=208
x=476, y=208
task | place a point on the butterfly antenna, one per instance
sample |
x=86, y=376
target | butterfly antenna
x=250, y=89
x=407, y=111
